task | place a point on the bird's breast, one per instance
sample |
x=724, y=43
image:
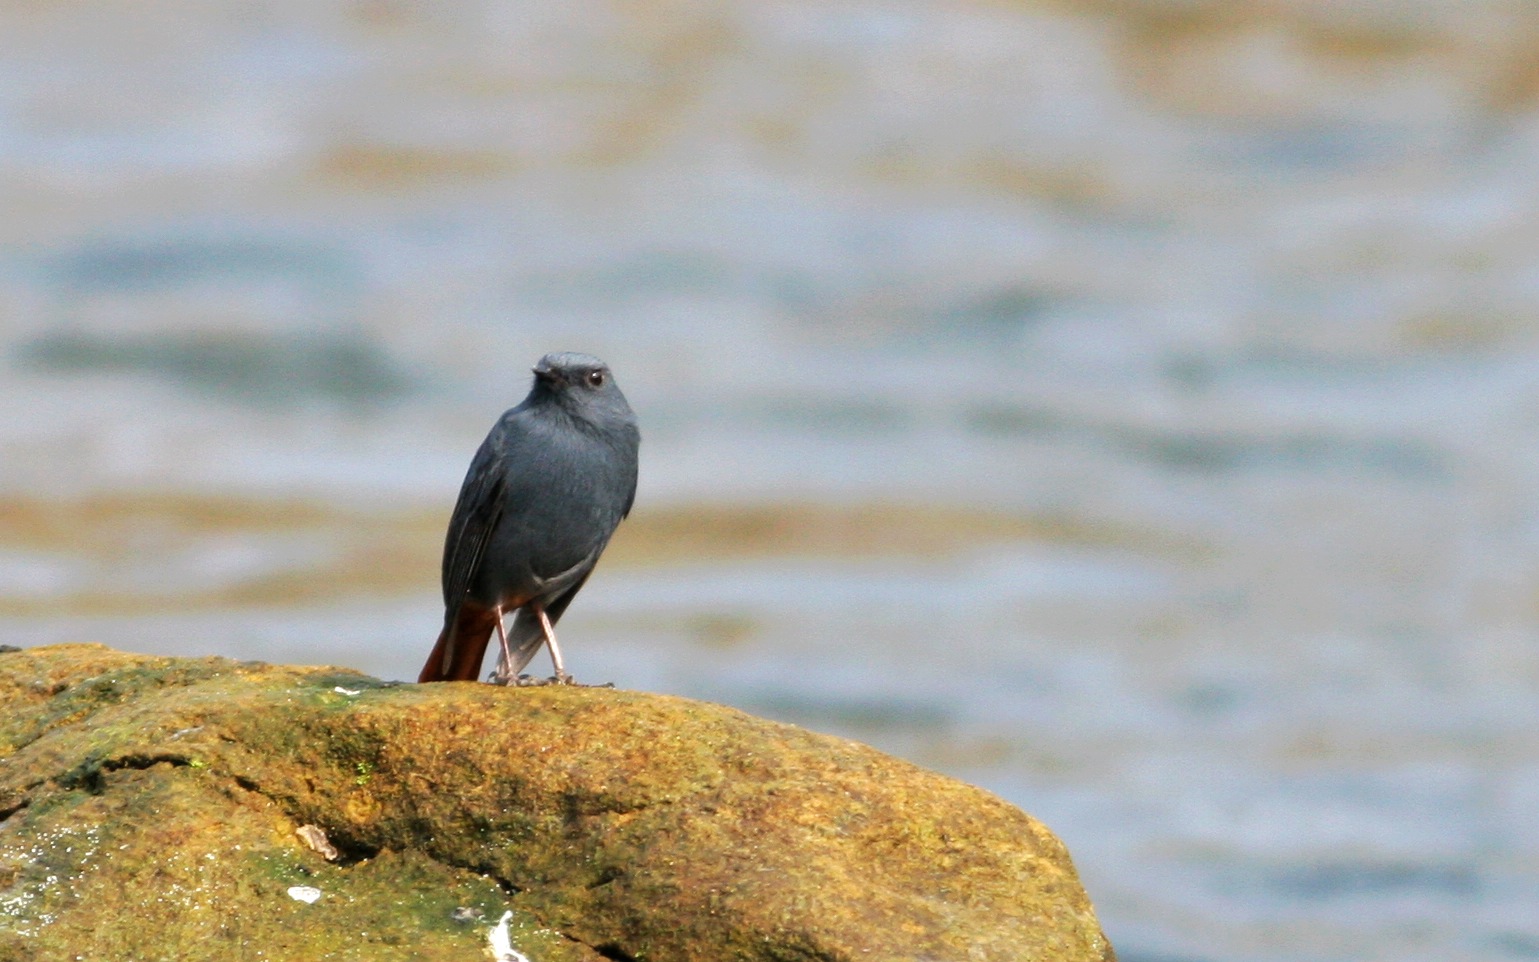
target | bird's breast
x=559, y=509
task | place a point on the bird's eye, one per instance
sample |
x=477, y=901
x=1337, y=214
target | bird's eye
x=596, y=378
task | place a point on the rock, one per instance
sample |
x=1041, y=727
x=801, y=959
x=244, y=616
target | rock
x=150, y=808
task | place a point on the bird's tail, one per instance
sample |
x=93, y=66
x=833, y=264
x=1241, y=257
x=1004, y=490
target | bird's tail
x=461, y=645
x=525, y=638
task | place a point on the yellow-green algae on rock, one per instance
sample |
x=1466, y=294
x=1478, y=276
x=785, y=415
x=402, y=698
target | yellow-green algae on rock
x=150, y=805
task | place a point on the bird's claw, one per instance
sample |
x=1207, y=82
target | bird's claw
x=529, y=681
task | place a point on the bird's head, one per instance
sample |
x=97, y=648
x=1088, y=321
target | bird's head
x=582, y=384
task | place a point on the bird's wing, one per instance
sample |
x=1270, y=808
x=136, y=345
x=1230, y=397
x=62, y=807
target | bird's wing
x=634, y=438
x=525, y=636
x=556, y=606
x=630, y=499
x=470, y=527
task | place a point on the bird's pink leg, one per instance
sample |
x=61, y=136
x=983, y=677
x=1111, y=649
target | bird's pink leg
x=504, y=673
x=562, y=678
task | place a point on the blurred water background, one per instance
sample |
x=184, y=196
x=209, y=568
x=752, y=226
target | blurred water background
x=1129, y=406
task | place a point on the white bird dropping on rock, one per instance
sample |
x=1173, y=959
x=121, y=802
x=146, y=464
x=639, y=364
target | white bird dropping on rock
x=502, y=945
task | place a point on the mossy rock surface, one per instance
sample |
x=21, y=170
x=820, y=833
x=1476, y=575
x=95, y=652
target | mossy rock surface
x=150, y=807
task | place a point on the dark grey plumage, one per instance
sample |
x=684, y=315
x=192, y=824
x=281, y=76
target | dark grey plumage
x=543, y=495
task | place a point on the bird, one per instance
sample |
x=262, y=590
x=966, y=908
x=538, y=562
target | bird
x=543, y=494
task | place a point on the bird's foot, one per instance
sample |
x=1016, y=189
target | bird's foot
x=500, y=677
x=529, y=681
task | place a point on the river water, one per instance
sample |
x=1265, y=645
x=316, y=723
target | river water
x=1128, y=406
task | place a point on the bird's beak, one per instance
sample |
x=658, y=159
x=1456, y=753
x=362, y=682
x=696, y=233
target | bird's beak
x=548, y=375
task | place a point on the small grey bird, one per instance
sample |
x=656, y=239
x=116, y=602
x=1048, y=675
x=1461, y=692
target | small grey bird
x=542, y=497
